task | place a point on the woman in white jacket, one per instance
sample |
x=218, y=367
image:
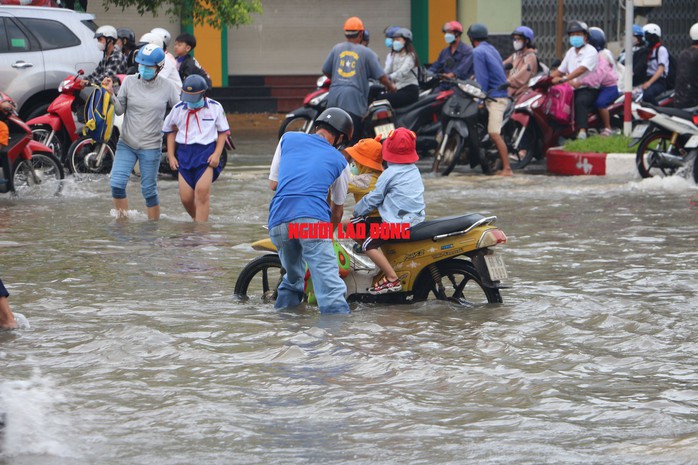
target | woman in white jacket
x=402, y=70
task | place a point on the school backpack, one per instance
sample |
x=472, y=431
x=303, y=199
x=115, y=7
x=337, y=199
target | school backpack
x=671, y=75
x=99, y=116
x=558, y=103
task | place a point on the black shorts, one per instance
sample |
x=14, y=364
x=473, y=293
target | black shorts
x=368, y=243
x=3, y=291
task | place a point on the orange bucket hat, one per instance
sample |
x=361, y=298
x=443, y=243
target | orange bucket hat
x=400, y=147
x=368, y=153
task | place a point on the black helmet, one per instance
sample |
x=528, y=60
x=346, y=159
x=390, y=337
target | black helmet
x=338, y=121
x=477, y=31
x=597, y=38
x=577, y=26
x=127, y=35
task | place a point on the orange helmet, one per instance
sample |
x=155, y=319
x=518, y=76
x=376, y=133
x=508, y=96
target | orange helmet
x=354, y=24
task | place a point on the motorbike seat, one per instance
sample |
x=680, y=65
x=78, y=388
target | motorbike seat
x=445, y=225
x=675, y=112
x=422, y=101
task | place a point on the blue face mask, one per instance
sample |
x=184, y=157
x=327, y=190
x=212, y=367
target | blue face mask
x=397, y=45
x=577, y=41
x=354, y=169
x=146, y=72
x=195, y=105
x=448, y=37
x=388, y=42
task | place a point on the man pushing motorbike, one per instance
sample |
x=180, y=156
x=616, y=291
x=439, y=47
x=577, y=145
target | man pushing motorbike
x=304, y=168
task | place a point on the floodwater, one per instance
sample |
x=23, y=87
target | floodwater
x=137, y=352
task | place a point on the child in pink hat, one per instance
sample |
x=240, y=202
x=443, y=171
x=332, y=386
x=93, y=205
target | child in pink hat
x=399, y=198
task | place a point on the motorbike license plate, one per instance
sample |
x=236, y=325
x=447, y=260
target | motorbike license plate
x=384, y=130
x=496, y=267
x=639, y=131
x=691, y=143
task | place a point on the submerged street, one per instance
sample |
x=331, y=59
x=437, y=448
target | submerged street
x=138, y=353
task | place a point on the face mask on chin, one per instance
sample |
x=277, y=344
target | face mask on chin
x=196, y=105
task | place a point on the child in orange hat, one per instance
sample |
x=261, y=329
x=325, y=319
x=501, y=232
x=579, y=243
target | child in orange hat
x=399, y=198
x=366, y=165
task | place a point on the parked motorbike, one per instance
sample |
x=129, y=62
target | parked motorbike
x=465, y=136
x=302, y=118
x=531, y=131
x=448, y=259
x=668, y=141
x=421, y=117
x=26, y=165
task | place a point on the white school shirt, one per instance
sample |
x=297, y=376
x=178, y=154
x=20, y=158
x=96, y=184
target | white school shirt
x=196, y=127
x=587, y=57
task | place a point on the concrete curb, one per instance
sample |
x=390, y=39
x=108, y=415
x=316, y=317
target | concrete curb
x=566, y=163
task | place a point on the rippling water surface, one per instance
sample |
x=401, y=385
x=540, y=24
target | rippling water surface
x=138, y=354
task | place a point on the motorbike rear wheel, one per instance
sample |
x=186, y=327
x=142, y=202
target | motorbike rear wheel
x=297, y=124
x=42, y=134
x=511, y=132
x=260, y=279
x=648, y=162
x=445, y=162
x=82, y=158
x=459, y=283
x=40, y=176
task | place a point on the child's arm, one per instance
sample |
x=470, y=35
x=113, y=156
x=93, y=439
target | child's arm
x=215, y=157
x=174, y=164
x=373, y=199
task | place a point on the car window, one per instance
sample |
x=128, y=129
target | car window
x=89, y=23
x=3, y=37
x=51, y=34
x=17, y=40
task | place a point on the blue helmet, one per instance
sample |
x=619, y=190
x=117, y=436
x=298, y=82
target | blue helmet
x=597, y=38
x=390, y=30
x=193, y=88
x=150, y=55
x=367, y=36
x=524, y=31
x=638, y=31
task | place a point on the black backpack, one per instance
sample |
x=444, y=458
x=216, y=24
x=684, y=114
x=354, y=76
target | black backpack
x=671, y=75
x=640, y=59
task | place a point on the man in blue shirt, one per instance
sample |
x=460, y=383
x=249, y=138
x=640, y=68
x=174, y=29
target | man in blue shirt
x=350, y=65
x=489, y=73
x=456, y=60
x=305, y=167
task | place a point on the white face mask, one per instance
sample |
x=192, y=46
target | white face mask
x=518, y=45
x=101, y=46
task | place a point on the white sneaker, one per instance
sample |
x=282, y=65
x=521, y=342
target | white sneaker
x=582, y=135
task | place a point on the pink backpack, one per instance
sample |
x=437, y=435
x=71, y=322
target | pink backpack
x=558, y=103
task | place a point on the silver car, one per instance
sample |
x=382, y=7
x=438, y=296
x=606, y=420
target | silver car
x=39, y=48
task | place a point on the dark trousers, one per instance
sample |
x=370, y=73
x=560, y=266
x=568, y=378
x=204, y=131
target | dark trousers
x=650, y=95
x=358, y=129
x=583, y=104
x=403, y=97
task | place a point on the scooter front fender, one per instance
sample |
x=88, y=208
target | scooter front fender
x=34, y=147
x=49, y=119
x=521, y=117
x=458, y=125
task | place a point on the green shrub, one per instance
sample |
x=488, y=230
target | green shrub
x=598, y=144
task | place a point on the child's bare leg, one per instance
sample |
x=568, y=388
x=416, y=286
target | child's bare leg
x=379, y=259
x=7, y=319
x=186, y=195
x=605, y=116
x=202, y=194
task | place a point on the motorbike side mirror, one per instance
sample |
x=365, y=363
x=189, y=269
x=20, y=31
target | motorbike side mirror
x=81, y=72
x=508, y=66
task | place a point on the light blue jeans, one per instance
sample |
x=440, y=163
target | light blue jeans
x=124, y=161
x=322, y=261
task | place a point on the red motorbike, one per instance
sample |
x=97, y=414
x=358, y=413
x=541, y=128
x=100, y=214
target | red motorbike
x=25, y=164
x=532, y=132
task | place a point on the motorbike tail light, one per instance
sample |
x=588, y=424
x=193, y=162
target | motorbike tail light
x=695, y=120
x=492, y=237
x=644, y=114
x=382, y=115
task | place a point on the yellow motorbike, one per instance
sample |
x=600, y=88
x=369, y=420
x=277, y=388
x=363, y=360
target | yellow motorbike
x=450, y=258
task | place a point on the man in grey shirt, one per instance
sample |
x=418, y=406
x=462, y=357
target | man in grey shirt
x=350, y=65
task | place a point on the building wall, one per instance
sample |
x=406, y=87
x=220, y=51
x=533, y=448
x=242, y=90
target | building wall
x=295, y=36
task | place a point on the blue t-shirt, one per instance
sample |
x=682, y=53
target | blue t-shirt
x=489, y=71
x=308, y=166
x=350, y=67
